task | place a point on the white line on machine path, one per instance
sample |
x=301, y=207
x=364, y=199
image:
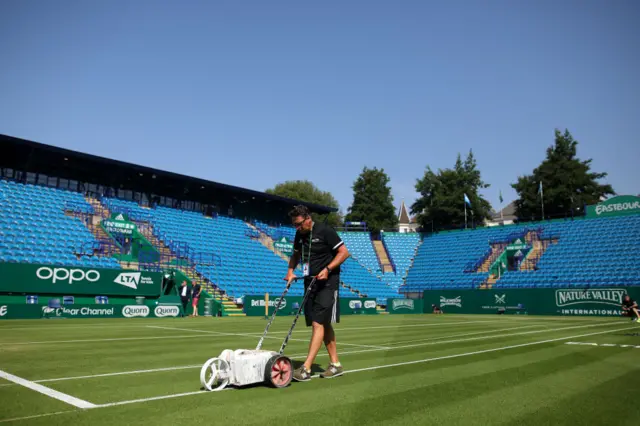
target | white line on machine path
x=111, y=404
x=35, y=416
x=47, y=391
x=521, y=345
x=114, y=339
x=461, y=335
x=154, y=370
x=430, y=324
x=475, y=338
x=220, y=333
x=603, y=345
x=378, y=367
x=185, y=367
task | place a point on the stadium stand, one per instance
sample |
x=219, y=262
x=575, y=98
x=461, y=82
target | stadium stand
x=402, y=250
x=567, y=253
x=594, y=253
x=35, y=229
x=361, y=249
x=130, y=208
x=246, y=266
x=276, y=232
x=356, y=277
x=43, y=224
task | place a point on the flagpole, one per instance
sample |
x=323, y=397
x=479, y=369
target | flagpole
x=465, y=215
x=542, y=199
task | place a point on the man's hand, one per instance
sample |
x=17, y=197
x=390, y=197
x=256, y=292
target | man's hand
x=290, y=277
x=323, y=275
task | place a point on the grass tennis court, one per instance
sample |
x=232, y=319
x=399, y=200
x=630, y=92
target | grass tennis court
x=414, y=369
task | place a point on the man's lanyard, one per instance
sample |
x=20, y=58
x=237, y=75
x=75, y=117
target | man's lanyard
x=309, y=255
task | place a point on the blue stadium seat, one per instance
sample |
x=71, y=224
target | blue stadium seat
x=35, y=229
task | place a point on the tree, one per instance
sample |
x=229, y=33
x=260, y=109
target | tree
x=306, y=191
x=372, y=201
x=441, y=203
x=567, y=183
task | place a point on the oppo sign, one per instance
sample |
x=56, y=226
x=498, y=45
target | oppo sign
x=67, y=275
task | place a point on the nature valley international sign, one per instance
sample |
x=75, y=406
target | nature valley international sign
x=604, y=296
x=616, y=206
x=405, y=306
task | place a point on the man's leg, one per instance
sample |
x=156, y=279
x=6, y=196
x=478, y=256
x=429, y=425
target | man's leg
x=303, y=373
x=317, y=336
x=330, y=343
x=335, y=368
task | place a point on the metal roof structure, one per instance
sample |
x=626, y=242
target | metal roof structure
x=33, y=157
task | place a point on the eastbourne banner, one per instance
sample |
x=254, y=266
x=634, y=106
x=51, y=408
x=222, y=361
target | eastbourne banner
x=615, y=206
x=74, y=280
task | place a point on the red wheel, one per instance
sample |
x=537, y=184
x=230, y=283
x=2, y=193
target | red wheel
x=279, y=371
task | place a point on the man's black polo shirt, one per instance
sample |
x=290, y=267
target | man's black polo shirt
x=324, y=244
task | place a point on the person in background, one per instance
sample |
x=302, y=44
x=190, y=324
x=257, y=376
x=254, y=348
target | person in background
x=195, y=297
x=630, y=308
x=184, y=292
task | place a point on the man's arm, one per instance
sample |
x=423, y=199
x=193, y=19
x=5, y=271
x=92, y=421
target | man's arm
x=295, y=257
x=342, y=255
x=337, y=245
x=293, y=261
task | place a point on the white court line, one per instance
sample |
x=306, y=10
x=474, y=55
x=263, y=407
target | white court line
x=602, y=345
x=119, y=373
x=378, y=367
x=123, y=373
x=461, y=321
x=154, y=370
x=292, y=356
x=220, y=333
x=401, y=326
x=64, y=327
x=35, y=416
x=115, y=339
x=474, y=338
x=352, y=371
x=522, y=345
x=320, y=354
x=460, y=335
x=47, y=391
x=337, y=329
x=154, y=398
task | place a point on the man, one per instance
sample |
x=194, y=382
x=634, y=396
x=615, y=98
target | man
x=630, y=308
x=185, y=292
x=321, y=251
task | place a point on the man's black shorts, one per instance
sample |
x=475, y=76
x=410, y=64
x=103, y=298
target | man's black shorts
x=323, y=304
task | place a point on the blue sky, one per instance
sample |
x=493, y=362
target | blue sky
x=254, y=93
